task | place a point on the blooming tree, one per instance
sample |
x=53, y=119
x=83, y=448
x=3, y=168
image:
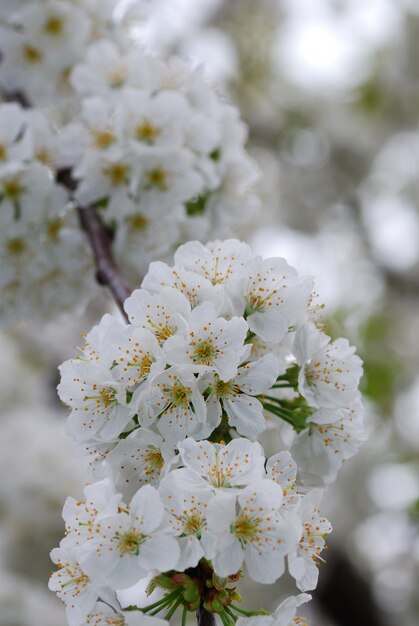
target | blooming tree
x=215, y=352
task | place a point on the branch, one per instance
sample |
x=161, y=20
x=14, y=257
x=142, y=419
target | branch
x=16, y=96
x=203, y=617
x=100, y=239
x=107, y=272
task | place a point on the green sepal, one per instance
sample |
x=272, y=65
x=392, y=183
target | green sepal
x=192, y=594
x=214, y=606
x=162, y=581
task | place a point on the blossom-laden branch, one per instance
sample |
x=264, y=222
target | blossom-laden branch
x=98, y=235
x=100, y=240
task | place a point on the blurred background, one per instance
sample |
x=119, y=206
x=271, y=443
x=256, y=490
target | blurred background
x=330, y=92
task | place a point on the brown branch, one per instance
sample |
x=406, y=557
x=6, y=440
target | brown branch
x=16, y=96
x=203, y=617
x=107, y=272
x=100, y=239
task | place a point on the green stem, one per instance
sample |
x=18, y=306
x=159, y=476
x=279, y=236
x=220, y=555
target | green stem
x=231, y=614
x=278, y=401
x=241, y=611
x=163, y=601
x=276, y=411
x=225, y=618
x=172, y=609
x=184, y=615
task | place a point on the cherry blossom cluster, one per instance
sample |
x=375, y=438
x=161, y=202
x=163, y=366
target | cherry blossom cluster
x=42, y=41
x=146, y=141
x=41, y=246
x=157, y=151
x=221, y=349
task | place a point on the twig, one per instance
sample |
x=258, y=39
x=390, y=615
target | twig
x=16, y=96
x=107, y=272
x=100, y=238
x=204, y=617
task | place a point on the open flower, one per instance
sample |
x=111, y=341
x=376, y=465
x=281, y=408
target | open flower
x=212, y=343
x=226, y=467
x=237, y=396
x=130, y=544
x=174, y=400
x=75, y=588
x=251, y=530
x=98, y=402
x=330, y=371
x=188, y=518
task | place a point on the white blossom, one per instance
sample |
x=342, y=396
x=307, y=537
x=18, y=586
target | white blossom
x=252, y=531
x=227, y=467
x=174, y=400
x=105, y=615
x=142, y=458
x=331, y=437
x=284, y=614
x=163, y=314
x=212, y=343
x=98, y=402
x=303, y=561
x=236, y=397
x=330, y=371
x=133, y=542
x=74, y=587
x=188, y=517
x=79, y=516
x=272, y=296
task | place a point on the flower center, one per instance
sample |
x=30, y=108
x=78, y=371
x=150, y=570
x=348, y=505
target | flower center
x=102, y=138
x=180, y=395
x=154, y=461
x=31, y=54
x=118, y=174
x=54, y=26
x=53, y=228
x=129, y=542
x=245, y=528
x=117, y=79
x=16, y=246
x=76, y=579
x=138, y=222
x=205, y=352
x=143, y=364
x=107, y=396
x=12, y=189
x=160, y=330
x=193, y=524
x=223, y=389
x=258, y=299
x=147, y=132
x=158, y=178
x=43, y=156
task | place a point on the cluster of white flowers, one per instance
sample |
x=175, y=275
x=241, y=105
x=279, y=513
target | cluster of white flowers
x=219, y=347
x=42, y=40
x=158, y=151
x=146, y=141
x=41, y=246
